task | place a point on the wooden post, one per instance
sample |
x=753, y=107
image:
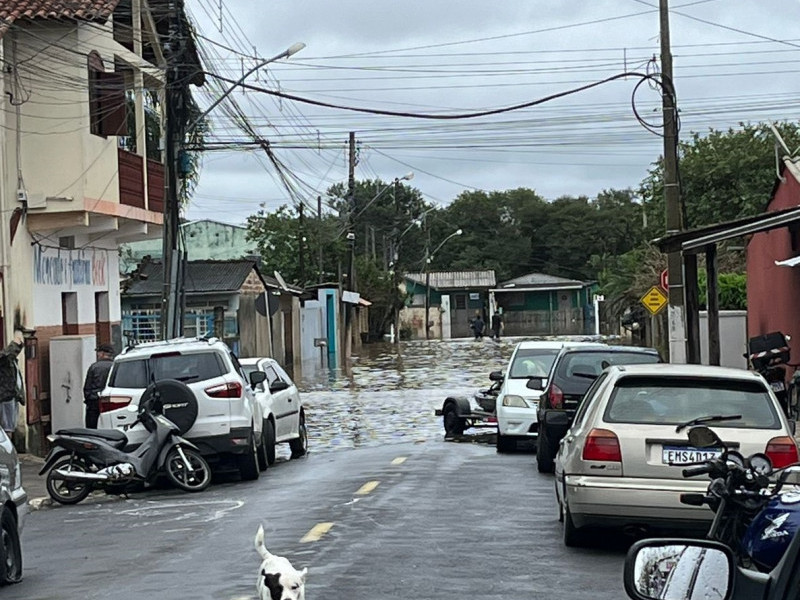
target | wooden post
x=692, y=309
x=712, y=303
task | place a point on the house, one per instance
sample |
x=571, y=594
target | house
x=205, y=239
x=450, y=299
x=82, y=92
x=541, y=304
x=230, y=299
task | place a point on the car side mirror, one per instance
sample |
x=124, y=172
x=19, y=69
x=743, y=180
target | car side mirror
x=679, y=568
x=496, y=376
x=257, y=377
x=278, y=386
x=535, y=383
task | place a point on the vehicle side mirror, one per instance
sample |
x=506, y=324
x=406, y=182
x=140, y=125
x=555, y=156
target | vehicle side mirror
x=496, y=376
x=278, y=386
x=257, y=377
x=535, y=383
x=676, y=568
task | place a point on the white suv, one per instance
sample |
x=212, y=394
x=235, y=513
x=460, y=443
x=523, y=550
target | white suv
x=222, y=422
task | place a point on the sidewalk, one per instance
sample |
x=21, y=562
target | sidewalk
x=34, y=483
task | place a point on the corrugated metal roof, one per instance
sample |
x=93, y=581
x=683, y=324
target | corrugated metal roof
x=456, y=280
x=202, y=276
x=540, y=281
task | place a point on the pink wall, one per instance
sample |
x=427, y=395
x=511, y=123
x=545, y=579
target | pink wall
x=773, y=292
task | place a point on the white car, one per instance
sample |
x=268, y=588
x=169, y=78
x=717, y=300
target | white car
x=517, y=403
x=279, y=407
x=620, y=464
x=223, y=422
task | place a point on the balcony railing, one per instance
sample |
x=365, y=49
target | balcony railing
x=131, y=181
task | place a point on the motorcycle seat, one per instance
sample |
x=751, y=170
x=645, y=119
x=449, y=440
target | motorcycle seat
x=110, y=435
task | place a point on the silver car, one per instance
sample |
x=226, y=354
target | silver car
x=620, y=464
x=12, y=514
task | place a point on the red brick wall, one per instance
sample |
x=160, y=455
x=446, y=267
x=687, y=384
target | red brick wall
x=773, y=291
x=252, y=286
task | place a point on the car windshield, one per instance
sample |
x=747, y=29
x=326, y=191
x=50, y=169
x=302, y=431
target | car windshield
x=671, y=401
x=582, y=368
x=188, y=368
x=532, y=362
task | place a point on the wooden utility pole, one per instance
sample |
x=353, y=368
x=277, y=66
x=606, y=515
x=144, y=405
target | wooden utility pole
x=672, y=195
x=319, y=234
x=351, y=243
x=301, y=243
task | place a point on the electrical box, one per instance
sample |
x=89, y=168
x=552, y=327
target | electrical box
x=70, y=359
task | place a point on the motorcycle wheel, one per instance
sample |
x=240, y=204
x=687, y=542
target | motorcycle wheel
x=11, y=565
x=67, y=492
x=196, y=478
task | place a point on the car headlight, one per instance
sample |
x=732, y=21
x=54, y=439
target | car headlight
x=515, y=401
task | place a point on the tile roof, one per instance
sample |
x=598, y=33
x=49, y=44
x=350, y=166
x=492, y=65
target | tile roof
x=78, y=10
x=540, y=281
x=456, y=280
x=202, y=276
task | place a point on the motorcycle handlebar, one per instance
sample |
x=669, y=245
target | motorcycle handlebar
x=694, y=471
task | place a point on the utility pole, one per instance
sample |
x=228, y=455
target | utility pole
x=301, y=259
x=351, y=242
x=672, y=195
x=319, y=234
x=175, y=100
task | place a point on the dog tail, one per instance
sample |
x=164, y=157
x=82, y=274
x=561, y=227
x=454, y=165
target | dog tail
x=259, y=543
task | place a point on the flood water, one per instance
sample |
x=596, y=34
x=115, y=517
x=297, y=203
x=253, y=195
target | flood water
x=392, y=390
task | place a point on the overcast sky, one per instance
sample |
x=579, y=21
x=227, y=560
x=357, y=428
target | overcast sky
x=734, y=60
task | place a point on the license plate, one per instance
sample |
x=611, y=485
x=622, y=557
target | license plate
x=777, y=386
x=684, y=455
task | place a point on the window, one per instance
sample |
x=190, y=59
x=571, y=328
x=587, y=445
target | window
x=532, y=362
x=107, y=109
x=188, y=368
x=272, y=376
x=461, y=302
x=672, y=401
x=581, y=368
x=585, y=401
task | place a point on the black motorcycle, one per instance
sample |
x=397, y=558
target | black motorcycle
x=84, y=459
x=768, y=354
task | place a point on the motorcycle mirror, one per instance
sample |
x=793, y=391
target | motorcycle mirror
x=703, y=437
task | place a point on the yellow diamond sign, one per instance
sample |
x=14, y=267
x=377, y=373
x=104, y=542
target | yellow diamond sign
x=654, y=300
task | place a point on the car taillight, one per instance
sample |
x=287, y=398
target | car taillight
x=782, y=451
x=225, y=390
x=109, y=403
x=555, y=397
x=602, y=444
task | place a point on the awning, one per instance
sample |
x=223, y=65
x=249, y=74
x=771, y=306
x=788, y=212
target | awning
x=789, y=262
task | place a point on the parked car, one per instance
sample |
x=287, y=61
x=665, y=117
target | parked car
x=620, y=464
x=222, y=422
x=13, y=512
x=574, y=370
x=518, y=400
x=279, y=407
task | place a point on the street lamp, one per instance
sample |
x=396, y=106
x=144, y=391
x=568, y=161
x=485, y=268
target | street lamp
x=428, y=260
x=172, y=317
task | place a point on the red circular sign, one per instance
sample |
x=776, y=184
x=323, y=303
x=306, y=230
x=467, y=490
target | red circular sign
x=664, y=280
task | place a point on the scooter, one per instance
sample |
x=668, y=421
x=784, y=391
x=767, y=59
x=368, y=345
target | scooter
x=84, y=459
x=753, y=515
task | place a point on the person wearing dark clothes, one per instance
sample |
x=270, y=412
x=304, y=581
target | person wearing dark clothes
x=478, y=326
x=96, y=378
x=497, y=325
x=11, y=390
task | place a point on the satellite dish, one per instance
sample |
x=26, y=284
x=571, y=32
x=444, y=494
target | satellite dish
x=281, y=281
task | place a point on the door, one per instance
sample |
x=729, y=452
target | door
x=279, y=401
x=459, y=322
x=292, y=403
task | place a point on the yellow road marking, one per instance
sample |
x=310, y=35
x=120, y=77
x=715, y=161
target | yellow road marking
x=399, y=460
x=367, y=488
x=316, y=532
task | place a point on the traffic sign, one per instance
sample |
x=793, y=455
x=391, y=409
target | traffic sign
x=654, y=300
x=664, y=280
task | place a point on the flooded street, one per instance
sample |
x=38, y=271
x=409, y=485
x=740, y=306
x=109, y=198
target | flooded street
x=392, y=390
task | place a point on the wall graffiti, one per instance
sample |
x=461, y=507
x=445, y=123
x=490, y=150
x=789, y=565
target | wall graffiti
x=53, y=266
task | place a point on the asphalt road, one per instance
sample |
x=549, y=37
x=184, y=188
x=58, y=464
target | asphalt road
x=430, y=520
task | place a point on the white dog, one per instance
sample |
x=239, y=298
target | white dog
x=277, y=578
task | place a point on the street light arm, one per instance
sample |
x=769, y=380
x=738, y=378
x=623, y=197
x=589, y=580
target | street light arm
x=293, y=49
x=452, y=235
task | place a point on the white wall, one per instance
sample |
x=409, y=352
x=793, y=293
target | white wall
x=732, y=338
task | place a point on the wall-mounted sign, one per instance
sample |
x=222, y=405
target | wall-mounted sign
x=474, y=296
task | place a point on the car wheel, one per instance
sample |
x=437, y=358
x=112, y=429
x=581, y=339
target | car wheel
x=67, y=492
x=262, y=451
x=573, y=537
x=544, y=454
x=269, y=442
x=453, y=424
x=505, y=443
x=560, y=507
x=299, y=445
x=11, y=558
x=194, y=479
x=248, y=462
